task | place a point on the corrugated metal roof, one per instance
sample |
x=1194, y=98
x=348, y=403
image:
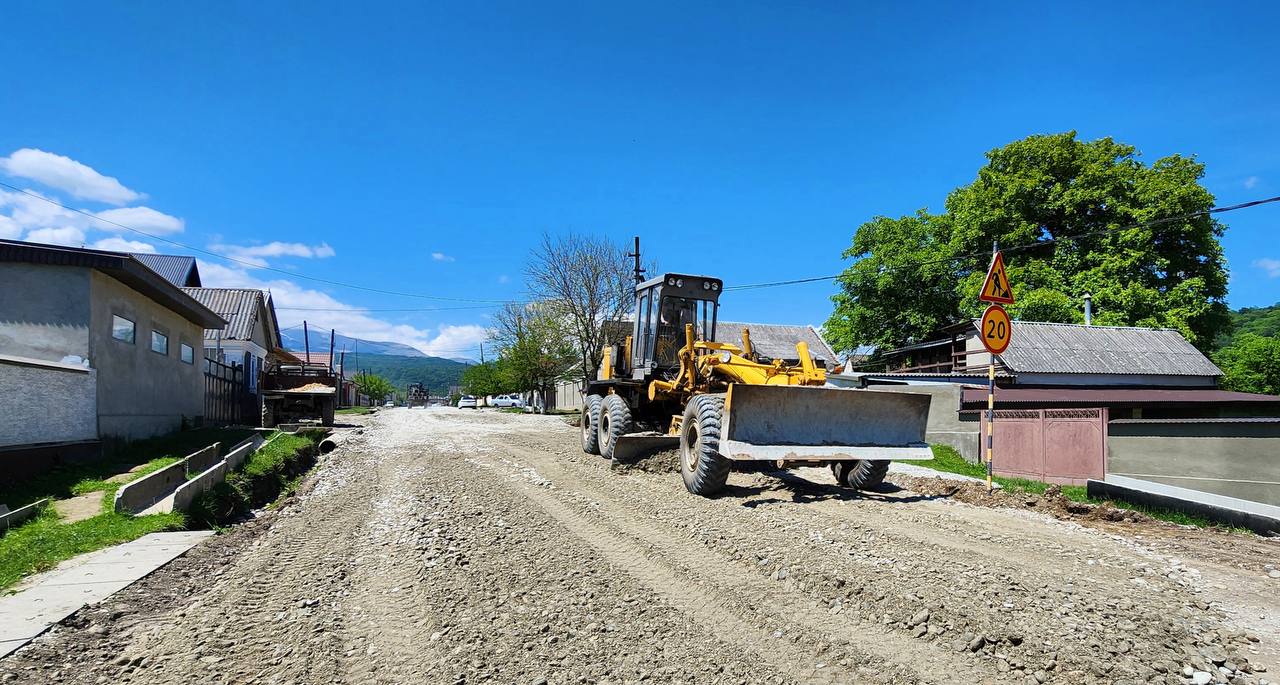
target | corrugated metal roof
x=977, y=396
x=177, y=269
x=777, y=341
x=1070, y=348
x=239, y=306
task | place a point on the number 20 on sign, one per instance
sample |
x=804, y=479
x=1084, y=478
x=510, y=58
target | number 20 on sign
x=996, y=329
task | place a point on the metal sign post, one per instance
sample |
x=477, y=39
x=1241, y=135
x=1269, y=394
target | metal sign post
x=995, y=330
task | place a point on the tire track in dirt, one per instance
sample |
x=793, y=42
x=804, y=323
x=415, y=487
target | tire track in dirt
x=668, y=563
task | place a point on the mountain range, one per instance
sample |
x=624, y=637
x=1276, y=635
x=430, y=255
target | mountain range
x=292, y=340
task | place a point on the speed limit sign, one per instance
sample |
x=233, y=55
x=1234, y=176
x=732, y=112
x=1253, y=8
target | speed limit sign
x=996, y=329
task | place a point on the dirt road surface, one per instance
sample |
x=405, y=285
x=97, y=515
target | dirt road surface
x=455, y=546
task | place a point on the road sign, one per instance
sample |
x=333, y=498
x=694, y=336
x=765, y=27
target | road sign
x=996, y=288
x=997, y=330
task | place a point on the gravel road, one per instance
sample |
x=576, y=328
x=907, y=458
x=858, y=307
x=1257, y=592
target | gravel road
x=455, y=546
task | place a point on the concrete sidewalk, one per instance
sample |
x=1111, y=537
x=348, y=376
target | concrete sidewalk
x=52, y=596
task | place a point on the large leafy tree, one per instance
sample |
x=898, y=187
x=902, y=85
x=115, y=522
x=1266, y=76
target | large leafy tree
x=1060, y=208
x=1251, y=364
x=375, y=387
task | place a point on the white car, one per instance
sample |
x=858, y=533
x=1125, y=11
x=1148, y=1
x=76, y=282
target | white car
x=468, y=402
x=389, y=404
x=508, y=401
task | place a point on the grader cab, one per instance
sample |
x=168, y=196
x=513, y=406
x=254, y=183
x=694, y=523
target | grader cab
x=670, y=384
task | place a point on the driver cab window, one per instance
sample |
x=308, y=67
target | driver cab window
x=674, y=313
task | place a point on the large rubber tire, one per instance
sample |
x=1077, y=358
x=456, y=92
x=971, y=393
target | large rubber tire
x=863, y=474
x=326, y=413
x=615, y=422
x=590, y=424
x=704, y=469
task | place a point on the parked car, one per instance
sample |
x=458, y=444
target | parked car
x=508, y=401
x=468, y=402
x=389, y=404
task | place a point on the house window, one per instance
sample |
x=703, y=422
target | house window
x=122, y=329
x=159, y=342
x=188, y=355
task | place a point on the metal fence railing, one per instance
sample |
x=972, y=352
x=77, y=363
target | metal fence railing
x=227, y=399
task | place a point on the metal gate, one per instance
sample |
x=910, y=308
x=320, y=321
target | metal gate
x=1066, y=446
x=227, y=400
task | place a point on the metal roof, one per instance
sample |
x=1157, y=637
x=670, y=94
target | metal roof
x=242, y=308
x=777, y=341
x=1071, y=348
x=119, y=265
x=177, y=269
x=1093, y=397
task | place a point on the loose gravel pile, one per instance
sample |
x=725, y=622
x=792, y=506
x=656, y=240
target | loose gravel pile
x=444, y=546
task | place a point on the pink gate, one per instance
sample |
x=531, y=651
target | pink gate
x=1066, y=446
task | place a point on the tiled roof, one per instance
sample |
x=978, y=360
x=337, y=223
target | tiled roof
x=1071, y=348
x=177, y=269
x=239, y=306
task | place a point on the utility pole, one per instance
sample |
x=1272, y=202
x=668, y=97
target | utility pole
x=306, y=340
x=481, y=353
x=331, y=331
x=991, y=393
x=639, y=272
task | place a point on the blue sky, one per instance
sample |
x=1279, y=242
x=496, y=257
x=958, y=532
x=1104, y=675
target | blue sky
x=424, y=148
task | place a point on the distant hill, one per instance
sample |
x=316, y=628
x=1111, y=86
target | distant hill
x=1263, y=321
x=462, y=360
x=434, y=372
x=292, y=339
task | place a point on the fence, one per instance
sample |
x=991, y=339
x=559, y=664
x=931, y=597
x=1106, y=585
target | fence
x=1066, y=446
x=227, y=399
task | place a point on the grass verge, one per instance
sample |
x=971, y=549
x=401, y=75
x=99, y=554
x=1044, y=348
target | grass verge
x=945, y=458
x=268, y=474
x=354, y=411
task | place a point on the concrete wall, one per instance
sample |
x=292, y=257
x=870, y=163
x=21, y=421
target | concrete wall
x=46, y=402
x=141, y=393
x=1238, y=459
x=133, y=497
x=44, y=311
x=945, y=425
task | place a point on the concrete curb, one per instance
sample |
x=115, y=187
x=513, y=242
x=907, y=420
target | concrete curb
x=188, y=491
x=136, y=496
x=201, y=460
x=9, y=519
x=1186, y=501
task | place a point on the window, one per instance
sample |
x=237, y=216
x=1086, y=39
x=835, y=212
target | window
x=159, y=342
x=122, y=329
x=188, y=355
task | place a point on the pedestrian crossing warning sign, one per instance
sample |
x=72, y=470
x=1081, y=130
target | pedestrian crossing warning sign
x=996, y=288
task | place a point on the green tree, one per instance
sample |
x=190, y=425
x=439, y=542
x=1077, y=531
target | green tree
x=1251, y=364
x=482, y=380
x=536, y=347
x=1055, y=204
x=375, y=387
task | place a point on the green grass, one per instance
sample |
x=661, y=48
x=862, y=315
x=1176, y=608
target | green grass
x=267, y=475
x=119, y=457
x=43, y=542
x=945, y=458
x=354, y=411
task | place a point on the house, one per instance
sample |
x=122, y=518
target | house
x=95, y=344
x=252, y=334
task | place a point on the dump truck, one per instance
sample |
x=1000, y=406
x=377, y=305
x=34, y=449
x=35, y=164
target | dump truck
x=724, y=406
x=292, y=393
x=417, y=395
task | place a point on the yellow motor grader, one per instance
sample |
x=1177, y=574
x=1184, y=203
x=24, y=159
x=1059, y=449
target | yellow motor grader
x=724, y=405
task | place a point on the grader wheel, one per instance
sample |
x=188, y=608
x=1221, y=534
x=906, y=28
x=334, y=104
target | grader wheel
x=863, y=474
x=615, y=421
x=704, y=469
x=590, y=424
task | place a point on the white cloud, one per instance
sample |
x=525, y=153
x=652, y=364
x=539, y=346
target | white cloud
x=256, y=254
x=118, y=244
x=1251, y=182
x=67, y=175
x=141, y=218
x=1271, y=266
x=9, y=228
x=441, y=257
x=65, y=235
x=444, y=340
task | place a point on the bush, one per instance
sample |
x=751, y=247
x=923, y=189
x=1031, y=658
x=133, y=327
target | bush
x=267, y=474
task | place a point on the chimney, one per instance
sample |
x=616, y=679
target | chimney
x=1088, y=309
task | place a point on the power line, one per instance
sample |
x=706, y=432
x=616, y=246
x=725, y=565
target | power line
x=1016, y=248
x=255, y=265
x=408, y=309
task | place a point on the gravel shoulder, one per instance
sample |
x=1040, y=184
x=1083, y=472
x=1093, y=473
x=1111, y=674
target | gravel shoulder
x=454, y=546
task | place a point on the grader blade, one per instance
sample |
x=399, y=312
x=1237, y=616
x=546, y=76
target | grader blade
x=634, y=447
x=793, y=422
